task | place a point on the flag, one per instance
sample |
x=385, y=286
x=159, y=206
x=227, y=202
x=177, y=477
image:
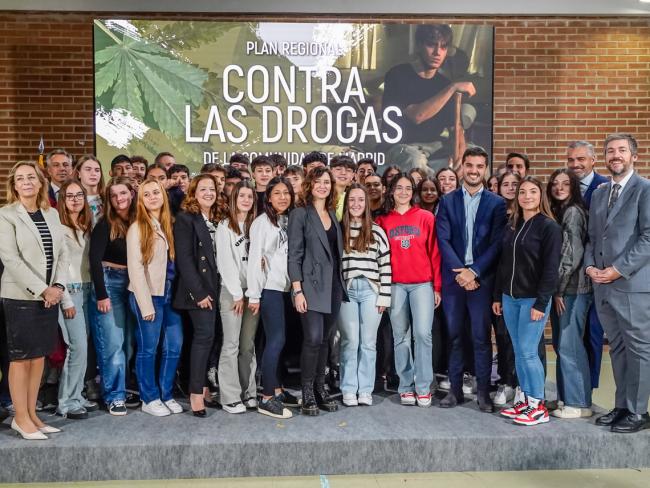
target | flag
x=41, y=152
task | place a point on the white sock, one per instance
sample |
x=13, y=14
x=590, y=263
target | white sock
x=533, y=402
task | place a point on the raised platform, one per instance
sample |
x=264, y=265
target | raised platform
x=384, y=438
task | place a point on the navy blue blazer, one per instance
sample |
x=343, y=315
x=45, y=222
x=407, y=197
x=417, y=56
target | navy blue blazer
x=486, y=241
x=595, y=183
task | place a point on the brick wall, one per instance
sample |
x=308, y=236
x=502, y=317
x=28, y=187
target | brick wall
x=556, y=79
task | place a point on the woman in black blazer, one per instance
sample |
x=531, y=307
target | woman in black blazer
x=198, y=283
x=315, y=250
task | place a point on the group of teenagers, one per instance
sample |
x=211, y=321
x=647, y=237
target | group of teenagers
x=442, y=259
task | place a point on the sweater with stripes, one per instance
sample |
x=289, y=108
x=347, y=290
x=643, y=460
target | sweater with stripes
x=374, y=264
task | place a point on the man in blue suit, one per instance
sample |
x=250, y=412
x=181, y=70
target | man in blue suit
x=470, y=225
x=581, y=159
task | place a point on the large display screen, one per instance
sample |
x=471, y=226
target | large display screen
x=409, y=94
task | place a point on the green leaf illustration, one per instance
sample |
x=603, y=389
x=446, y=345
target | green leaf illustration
x=145, y=79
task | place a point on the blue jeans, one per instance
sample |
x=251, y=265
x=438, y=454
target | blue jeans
x=75, y=335
x=168, y=322
x=111, y=332
x=415, y=301
x=573, y=373
x=525, y=334
x=358, y=323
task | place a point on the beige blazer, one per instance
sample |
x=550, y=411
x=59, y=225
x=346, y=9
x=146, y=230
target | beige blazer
x=23, y=255
x=146, y=280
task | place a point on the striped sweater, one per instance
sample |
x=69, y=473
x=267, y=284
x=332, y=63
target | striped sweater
x=374, y=264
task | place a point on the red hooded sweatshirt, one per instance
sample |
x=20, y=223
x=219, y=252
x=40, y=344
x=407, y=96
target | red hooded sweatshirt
x=414, y=255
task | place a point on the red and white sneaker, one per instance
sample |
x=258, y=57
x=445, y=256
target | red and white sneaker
x=407, y=398
x=424, y=400
x=515, y=410
x=532, y=415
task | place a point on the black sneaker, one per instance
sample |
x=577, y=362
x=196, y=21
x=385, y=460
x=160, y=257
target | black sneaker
x=78, y=414
x=132, y=400
x=287, y=399
x=117, y=408
x=273, y=408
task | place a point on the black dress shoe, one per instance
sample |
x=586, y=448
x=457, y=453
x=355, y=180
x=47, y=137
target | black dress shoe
x=199, y=413
x=78, y=414
x=612, y=417
x=631, y=423
x=451, y=400
x=485, y=403
x=211, y=403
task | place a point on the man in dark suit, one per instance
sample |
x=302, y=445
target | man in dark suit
x=58, y=166
x=581, y=159
x=470, y=226
x=617, y=259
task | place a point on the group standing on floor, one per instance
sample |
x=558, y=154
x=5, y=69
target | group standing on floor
x=122, y=290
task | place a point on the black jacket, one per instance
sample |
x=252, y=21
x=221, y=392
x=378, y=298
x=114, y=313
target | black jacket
x=195, y=264
x=530, y=260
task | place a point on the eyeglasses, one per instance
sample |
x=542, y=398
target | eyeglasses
x=74, y=196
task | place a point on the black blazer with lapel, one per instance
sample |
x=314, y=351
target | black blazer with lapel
x=195, y=263
x=310, y=257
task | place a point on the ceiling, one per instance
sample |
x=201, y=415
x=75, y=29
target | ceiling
x=332, y=7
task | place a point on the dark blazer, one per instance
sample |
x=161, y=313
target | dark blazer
x=621, y=238
x=486, y=242
x=595, y=183
x=310, y=258
x=195, y=263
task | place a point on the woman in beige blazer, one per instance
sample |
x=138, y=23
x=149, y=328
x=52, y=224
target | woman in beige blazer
x=35, y=265
x=150, y=258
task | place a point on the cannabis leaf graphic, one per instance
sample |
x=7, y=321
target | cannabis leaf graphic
x=144, y=79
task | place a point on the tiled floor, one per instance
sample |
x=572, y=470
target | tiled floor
x=625, y=478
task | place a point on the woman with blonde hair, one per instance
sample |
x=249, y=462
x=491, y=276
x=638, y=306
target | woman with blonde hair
x=150, y=251
x=35, y=272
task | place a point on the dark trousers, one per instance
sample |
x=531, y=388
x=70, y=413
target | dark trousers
x=385, y=348
x=273, y=321
x=505, y=352
x=594, y=340
x=4, y=361
x=440, y=352
x=473, y=307
x=317, y=328
x=203, y=321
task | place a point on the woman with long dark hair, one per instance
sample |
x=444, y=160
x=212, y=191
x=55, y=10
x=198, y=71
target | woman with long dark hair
x=150, y=248
x=428, y=191
x=237, y=362
x=367, y=275
x=447, y=180
x=572, y=298
x=198, y=279
x=526, y=281
x=268, y=289
x=417, y=282
x=315, y=250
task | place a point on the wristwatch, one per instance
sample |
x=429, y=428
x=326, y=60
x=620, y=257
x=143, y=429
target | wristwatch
x=295, y=293
x=59, y=286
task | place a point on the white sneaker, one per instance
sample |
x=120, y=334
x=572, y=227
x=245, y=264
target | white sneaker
x=469, y=384
x=173, y=406
x=519, y=396
x=503, y=395
x=350, y=400
x=567, y=412
x=237, y=407
x=156, y=408
x=444, y=383
x=251, y=403
x=365, y=399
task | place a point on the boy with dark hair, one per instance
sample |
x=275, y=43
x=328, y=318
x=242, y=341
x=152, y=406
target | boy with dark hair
x=343, y=169
x=239, y=161
x=121, y=166
x=313, y=160
x=179, y=175
x=365, y=168
x=233, y=176
x=167, y=159
x=280, y=163
x=262, y=167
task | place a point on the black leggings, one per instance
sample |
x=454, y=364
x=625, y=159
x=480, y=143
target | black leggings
x=272, y=316
x=203, y=322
